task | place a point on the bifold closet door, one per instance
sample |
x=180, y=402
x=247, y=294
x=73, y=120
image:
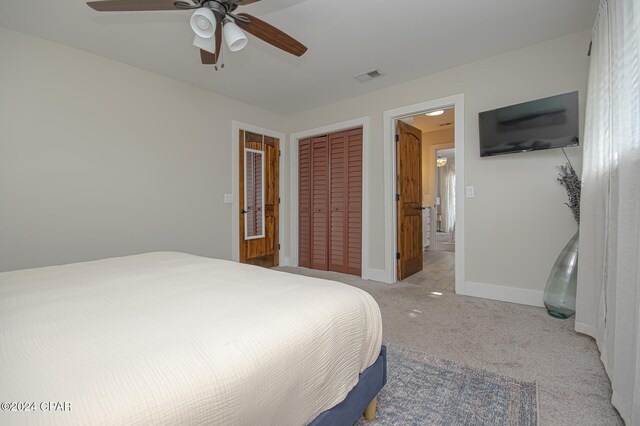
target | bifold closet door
x=330, y=202
x=304, y=203
x=313, y=197
x=354, y=202
x=320, y=203
x=338, y=202
x=345, y=202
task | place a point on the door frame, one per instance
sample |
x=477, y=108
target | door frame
x=294, y=139
x=236, y=126
x=389, y=170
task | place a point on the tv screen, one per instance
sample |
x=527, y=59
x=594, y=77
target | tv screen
x=530, y=126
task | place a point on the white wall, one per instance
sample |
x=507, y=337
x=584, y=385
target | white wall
x=101, y=159
x=517, y=223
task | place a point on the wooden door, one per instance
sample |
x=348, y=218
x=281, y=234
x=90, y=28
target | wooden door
x=259, y=199
x=330, y=202
x=409, y=199
x=345, y=202
x=304, y=203
x=319, y=241
x=353, y=229
x=338, y=182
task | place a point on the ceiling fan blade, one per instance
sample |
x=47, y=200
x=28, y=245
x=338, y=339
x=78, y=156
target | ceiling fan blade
x=218, y=36
x=139, y=5
x=271, y=34
x=246, y=2
x=207, y=58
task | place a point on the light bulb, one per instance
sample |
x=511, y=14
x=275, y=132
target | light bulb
x=203, y=23
x=236, y=38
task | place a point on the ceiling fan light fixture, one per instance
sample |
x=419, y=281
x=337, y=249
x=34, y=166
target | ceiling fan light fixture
x=435, y=113
x=207, y=44
x=235, y=38
x=203, y=23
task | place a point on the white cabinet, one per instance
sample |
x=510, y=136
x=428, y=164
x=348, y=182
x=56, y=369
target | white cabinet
x=426, y=228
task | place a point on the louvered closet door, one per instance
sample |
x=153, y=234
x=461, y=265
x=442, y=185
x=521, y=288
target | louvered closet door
x=345, y=202
x=354, y=202
x=330, y=202
x=319, y=203
x=338, y=184
x=304, y=203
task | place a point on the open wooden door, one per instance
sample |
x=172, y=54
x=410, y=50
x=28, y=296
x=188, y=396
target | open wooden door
x=409, y=199
x=259, y=199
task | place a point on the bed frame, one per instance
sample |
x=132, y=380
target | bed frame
x=362, y=398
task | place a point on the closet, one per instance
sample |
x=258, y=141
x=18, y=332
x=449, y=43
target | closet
x=330, y=202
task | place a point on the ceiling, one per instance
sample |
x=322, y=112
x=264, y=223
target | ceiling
x=405, y=39
x=431, y=124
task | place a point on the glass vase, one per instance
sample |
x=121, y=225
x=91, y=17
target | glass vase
x=560, y=292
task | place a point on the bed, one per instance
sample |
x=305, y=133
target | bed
x=172, y=338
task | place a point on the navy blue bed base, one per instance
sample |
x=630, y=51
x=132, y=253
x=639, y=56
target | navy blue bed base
x=369, y=385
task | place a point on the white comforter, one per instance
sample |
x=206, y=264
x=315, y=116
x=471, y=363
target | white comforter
x=171, y=338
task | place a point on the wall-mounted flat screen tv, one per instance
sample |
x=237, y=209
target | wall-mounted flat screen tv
x=530, y=126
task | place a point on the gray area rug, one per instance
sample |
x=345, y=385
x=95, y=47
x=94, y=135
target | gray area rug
x=424, y=390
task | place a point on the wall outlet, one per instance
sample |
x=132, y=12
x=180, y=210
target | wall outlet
x=228, y=198
x=470, y=192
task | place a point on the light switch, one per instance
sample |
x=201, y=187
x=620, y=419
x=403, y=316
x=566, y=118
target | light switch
x=228, y=198
x=470, y=192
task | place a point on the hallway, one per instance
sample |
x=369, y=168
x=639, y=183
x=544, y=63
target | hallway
x=444, y=242
x=438, y=272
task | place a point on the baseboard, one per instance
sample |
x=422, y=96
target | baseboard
x=372, y=274
x=505, y=294
x=586, y=329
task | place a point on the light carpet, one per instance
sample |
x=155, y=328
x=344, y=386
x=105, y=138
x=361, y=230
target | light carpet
x=522, y=342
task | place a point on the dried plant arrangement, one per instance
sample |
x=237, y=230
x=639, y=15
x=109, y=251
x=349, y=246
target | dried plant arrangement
x=571, y=182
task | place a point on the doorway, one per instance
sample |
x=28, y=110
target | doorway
x=445, y=201
x=442, y=135
x=259, y=199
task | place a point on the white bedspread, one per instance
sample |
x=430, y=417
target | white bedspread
x=176, y=339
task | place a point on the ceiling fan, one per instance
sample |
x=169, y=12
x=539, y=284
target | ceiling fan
x=212, y=21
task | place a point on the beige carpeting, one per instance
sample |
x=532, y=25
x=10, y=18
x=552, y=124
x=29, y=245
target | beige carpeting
x=518, y=341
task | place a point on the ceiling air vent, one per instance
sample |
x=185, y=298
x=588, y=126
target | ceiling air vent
x=369, y=75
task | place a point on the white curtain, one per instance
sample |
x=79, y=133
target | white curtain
x=608, y=299
x=447, y=194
